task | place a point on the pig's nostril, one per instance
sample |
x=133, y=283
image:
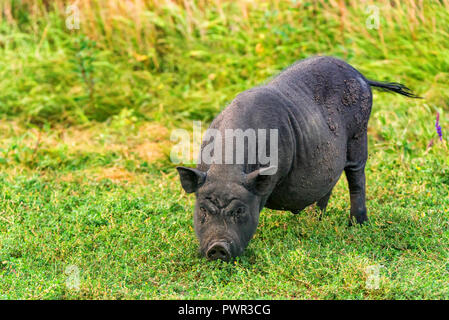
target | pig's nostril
x=219, y=250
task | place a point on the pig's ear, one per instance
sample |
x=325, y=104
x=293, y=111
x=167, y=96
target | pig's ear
x=259, y=181
x=191, y=179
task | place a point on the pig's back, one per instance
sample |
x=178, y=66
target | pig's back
x=338, y=91
x=330, y=103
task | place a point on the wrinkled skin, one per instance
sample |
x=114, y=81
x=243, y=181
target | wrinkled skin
x=226, y=213
x=229, y=213
x=321, y=108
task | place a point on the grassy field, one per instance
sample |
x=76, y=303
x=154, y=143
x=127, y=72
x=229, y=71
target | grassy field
x=87, y=186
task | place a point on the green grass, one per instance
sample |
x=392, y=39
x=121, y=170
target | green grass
x=80, y=109
x=135, y=240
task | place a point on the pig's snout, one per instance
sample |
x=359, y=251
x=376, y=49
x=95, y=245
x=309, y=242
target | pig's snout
x=219, y=250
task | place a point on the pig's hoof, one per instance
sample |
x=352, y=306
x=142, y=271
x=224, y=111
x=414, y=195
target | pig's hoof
x=321, y=215
x=358, y=220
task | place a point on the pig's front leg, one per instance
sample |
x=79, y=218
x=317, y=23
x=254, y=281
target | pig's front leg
x=322, y=203
x=357, y=154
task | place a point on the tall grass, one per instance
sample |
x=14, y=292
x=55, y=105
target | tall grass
x=172, y=60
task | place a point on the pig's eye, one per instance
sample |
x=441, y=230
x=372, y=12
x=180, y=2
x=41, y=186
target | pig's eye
x=238, y=214
x=240, y=211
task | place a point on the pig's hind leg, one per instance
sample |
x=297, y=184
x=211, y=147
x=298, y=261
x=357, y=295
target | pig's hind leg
x=357, y=154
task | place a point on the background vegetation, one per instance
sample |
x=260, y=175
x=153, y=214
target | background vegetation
x=85, y=119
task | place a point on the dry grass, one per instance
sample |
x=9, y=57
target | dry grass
x=149, y=142
x=140, y=26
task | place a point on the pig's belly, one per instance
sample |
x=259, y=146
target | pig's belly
x=307, y=184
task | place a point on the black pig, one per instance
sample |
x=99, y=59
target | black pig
x=320, y=107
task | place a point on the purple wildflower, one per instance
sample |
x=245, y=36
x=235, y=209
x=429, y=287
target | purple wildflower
x=438, y=127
